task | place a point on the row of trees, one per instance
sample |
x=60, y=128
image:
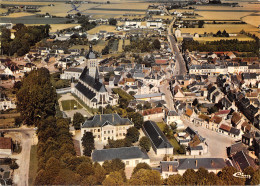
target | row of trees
x=25, y=37
x=223, y=45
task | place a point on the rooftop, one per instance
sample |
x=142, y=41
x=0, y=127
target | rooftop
x=120, y=153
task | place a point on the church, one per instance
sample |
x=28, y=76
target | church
x=89, y=88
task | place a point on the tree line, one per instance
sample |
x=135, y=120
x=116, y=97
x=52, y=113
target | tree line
x=25, y=37
x=222, y=45
x=142, y=45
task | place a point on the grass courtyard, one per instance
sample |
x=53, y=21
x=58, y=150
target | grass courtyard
x=70, y=105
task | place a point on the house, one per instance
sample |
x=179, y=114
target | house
x=149, y=97
x=248, y=138
x=241, y=160
x=71, y=73
x=107, y=126
x=179, y=166
x=155, y=114
x=6, y=146
x=172, y=117
x=236, y=120
x=6, y=103
x=131, y=156
x=160, y=143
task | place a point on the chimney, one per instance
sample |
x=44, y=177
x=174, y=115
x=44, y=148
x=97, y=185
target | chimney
x=170, y=168
x=196, y=163
x=212, y=163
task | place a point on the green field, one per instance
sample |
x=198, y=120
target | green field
x=70, y=105
x=33, y=165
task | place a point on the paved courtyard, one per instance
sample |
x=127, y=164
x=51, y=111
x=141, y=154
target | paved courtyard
x=217, y=142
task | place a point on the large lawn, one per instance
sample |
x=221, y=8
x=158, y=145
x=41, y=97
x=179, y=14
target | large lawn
x=33, y=165
x=70, y=105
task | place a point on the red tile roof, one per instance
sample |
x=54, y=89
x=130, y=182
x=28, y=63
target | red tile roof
x=152, y=111
x=5, y=143
x=225, y=127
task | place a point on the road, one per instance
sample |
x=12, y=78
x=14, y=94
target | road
x=23, y=159
x=180, y=66
x=217, y=142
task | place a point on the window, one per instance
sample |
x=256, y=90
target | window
x=108, y=132
x=112, y=131
x=85, y=131
x=136, y=162
x=104, y=138
x=124, y=134
x=98, y=130
x=98, y=136
x=104, y=132
x=127, y=163
x=94, y=130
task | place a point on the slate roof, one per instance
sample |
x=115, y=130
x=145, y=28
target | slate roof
x=85, y=91
x=207, y=163
x=120, y=153
x=92, y=82
x=104, y=119
x=234, y=131
x=241, y=161
x=196, y=148
x=73, y=70
x=172, y=113
x=156, y=136
x=165, y=166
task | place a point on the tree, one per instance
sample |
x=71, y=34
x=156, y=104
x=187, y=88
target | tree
x=182, y=149
x=113, y=165
x=37, y=98
x=156, y=44
x=132, y=134
x=78, y=120
x=226, y=175
x=189, y=177
x=85, y=169
x=141, y=166
x=137, y=119
x=112, y=21
x=88, y=143
x=99, y=173
x=255, y=179
x=202, y=175
x=114, y=178
x=139, y=107
x=145, y=143
x=14, y=166
x=201, y=23
x=175, y=179
x=146, y=177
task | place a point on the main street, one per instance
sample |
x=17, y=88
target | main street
x=180, y=66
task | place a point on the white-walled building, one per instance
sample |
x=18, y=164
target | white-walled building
x=131, y=156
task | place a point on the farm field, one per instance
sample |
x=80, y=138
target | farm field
x=126, y=5
x=120, y=46
x=19, y=14
x=253, y=20
x=61, y=9
x=2, y=10
x=230, y=28
x=107, y=28
x=211, y=15
x=127, y=42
